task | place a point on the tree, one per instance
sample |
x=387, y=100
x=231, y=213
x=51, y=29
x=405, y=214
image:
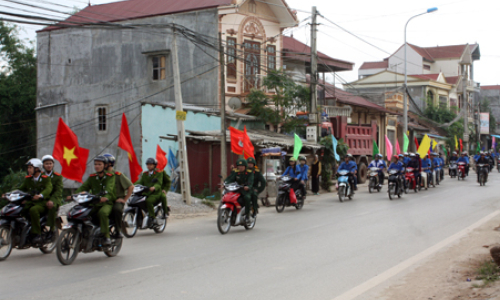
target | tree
x=278, y=109
x=443, y=115
x=17, y=100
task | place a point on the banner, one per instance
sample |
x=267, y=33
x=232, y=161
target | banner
x=388, y=147
x=424, y=147
x=485, y=123
x=334, y=144
x=406, y=143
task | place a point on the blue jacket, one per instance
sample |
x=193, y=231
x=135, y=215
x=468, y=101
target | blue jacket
x=463, y=159
x=303, y=172
x=476, y=157
x=398, y=166
x=436, y=162
x=453, y=158
x=442, y=161
x=295, y=174
x=378, y=164
x=426, y=163
x=351, y=166
x=406, y=160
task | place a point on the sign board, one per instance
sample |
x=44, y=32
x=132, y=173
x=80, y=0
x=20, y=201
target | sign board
x=180, y=115
x=485, y=123
x=311, y=134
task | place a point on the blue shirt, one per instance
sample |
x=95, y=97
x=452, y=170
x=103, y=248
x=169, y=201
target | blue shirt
x=406, y=160
x=436, y=162
x=476, y=157
x=398, y=166
x=464, y=159
x=426, y=163
x=377, y=164
x=453, y=158
x=442, y=161
x=304, y=169
x=290, y=172
x=350, y=166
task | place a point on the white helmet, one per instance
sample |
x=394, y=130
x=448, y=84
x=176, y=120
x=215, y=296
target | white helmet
x=36, y=163
x=47, y=157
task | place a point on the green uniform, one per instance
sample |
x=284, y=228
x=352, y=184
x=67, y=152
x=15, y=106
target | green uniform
x=95, y=185
x=122, y=183
x=148, y=179
x=56, y=198
x=259, y=184
x=36, y=208
x=165, y=187
x=244, y=178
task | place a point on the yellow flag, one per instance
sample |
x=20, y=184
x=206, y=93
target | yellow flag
x=425, y=145
x=456, y=143
x=434, y=144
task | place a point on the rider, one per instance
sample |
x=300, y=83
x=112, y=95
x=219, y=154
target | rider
x=406, y=158
x=304, y=170
x=426, y=167
x=397, y=164
x=441, y=159
x=123, y=189
x=40, y=186
x=153, y=179
x=465, y=160
x=243, y=176
x=101, y=183
x=294, y=171
x=482, y=160
x=55, y=199
x=454, y=157
x=165, y=187
x=379, y=163
x=436, y=162
x=401, y=159
x=349, y=165
x=414, y=163
x=259, y=183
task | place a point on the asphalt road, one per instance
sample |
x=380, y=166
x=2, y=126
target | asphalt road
x=319, y=252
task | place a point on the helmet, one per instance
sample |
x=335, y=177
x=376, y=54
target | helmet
x=251, y=160
x=464, y=153
x=36, y=163
x=111, y=158
x=241, y=162
x=47, y=157
x=482, y=153
x=151, y=161
x=454, y=153
x=302, y=158
x=350, y=156
x=396, y=157
x=412, y=155
x=401, y=155
x=292, y=159
x=379, y=155
x=406, y=153
x=101, y=158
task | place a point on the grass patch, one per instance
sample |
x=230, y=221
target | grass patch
x=209, y=203
x=488, y=272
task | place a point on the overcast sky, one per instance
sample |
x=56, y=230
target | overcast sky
x=381, y=23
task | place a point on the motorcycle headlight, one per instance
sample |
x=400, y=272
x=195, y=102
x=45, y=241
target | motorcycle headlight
x=81, y=198
x=137, y=189
x=232, y=188
x=14, y=197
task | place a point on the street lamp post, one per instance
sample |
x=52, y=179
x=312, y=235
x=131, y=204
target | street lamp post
x=405, y=102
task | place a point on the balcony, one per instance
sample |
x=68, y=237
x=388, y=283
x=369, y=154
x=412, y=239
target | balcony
x=394, y=102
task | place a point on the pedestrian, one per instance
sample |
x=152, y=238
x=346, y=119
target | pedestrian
x=315, y=173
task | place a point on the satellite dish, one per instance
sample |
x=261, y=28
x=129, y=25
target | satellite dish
x=234, y=103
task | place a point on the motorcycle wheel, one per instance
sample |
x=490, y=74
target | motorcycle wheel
x=159, y=216
x=392, y=192
x=407, y=189
x=341, y=193
x=116, y=244
x=49, y=247
x=300, y=204
x=224, y=220
x=6, y=243
x=68, y=241
x=128, y=218
x=371, y=186
x=280, y=203
x=250, y=225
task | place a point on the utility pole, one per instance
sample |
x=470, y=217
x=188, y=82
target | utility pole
x=183, y=160
x=223, y=159
x=313, y=116
x=465, y=107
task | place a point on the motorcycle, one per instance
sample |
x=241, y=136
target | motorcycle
x=15, y=230
x=374, y=180
x=411, y=181
x=344, y=186
x=136, y=215
x=82, y=233
x=395, y=185
x=452, y=170
x=231, y=211
x=482, y=169
x=283, y=198
x=461, y=171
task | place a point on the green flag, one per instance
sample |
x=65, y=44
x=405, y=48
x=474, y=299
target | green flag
x=406, y=142
x=444, y=150
x=478, y=147
x=375, y=149
x=297, y=147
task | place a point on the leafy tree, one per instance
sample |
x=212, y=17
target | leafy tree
x=17, y=100
x=278, y=109
x=443, y=115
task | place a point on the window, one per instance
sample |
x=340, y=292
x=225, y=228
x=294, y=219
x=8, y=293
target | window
x=252, y=7
x=101, y=118
x=159, y=71
x=427, y=67
x=231, y=57
x=252, y=65
x=443, y=102
x=271, y=58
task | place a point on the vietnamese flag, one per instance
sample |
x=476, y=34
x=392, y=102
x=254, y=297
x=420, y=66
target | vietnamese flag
x=161, y=158
x=125, y=142
x=248, y=149
x=416, y=144
x=237, y=140
x=398, y=150
x=72, y=158
x=461, y=145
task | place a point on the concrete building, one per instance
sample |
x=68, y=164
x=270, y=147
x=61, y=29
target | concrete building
x=91, y=74
x=492, y=94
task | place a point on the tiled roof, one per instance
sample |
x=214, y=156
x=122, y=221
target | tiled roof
x=454, y=51
x=426, y=76
x=452, y=79
x=490, y=87
x=422, y=51
x=296, y=50
x=134, y=9
x=374, y=65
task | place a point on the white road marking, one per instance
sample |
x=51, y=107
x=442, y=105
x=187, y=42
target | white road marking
x=369, y=284
x=139, y=269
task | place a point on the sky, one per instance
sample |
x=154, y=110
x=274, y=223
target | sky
x=381, y=24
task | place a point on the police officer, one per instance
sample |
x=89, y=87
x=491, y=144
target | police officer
x=123, y=189
x=101, y=183
x=40, y=186
x=153, y=179
x=304, y=171
x=244, y=177
x=55, y=200
x=259, y=183
x=165, y=187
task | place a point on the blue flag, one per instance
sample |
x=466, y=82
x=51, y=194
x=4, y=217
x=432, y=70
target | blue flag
x=334, y=143
x=172, y=165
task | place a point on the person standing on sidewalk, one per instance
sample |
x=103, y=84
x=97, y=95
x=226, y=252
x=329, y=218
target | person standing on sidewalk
x=315, y=172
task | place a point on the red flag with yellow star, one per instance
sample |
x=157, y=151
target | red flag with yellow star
x=72, y=157
x=125, y=142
